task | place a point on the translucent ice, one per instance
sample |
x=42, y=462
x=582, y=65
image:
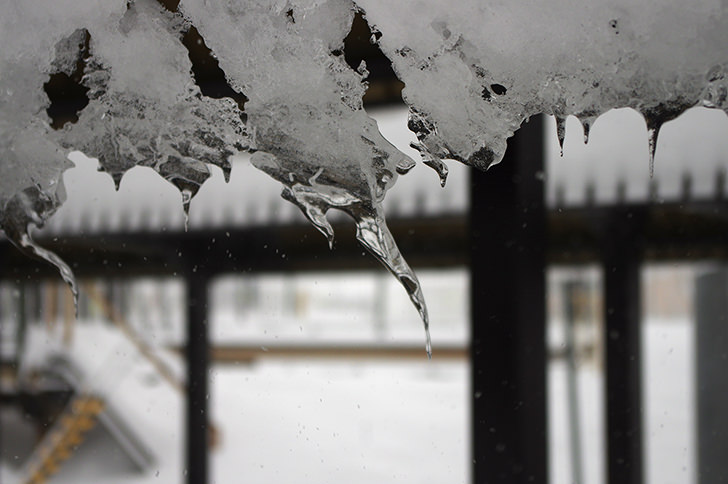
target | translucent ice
x=474, y=72
x=305, y=114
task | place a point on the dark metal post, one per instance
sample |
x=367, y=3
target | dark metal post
x=197, y=378
x=712, y=367
x=508, y=353
x=573, y=301
x=621, y=265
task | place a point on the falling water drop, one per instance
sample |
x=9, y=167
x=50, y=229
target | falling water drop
x=561, y=132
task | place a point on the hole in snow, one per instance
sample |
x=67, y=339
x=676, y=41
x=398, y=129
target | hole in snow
x=170, y=5
x=207, y=72
x=64, y=89
x=498, y=89
x=360, y=44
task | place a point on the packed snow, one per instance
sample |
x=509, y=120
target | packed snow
x=473, y=75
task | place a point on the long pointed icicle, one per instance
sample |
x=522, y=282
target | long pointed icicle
x=561, y=132
x=652, y=135
x=32, y=207
x=372, y=232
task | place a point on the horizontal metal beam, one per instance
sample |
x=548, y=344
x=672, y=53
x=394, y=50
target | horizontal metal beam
x=248, y=354
x=670, y=231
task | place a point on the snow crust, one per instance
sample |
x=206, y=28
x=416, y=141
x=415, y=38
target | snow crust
x=474, y=73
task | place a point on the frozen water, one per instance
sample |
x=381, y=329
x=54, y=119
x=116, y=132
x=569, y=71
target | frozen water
x=474, y=73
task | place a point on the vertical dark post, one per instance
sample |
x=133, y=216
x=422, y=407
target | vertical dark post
x=508, y=352
x=197, y=378
x=622, y=344
x=712, y=367
x=573, y=303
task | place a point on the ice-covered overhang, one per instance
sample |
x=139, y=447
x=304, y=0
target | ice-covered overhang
x=473, y=70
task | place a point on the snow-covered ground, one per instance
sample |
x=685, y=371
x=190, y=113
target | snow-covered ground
x=311, y=421
x=669, y=419
x=318, y=422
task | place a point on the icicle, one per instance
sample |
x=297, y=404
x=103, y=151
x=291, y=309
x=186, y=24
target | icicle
x=316, y=195
x=372, y=232
x=657, y=116
x=652, y=134
x=313, y=208
x=405, y=165
x=437, y=165
x=29, y=246
x=586, y=123
x=31, y=207
x=432, y=161
x=227, y=169
x=117, y=176
x=186, y=198
x=188, y=189
x=187, y=175
x=561, y=132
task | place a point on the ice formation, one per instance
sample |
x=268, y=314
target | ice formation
x=474, y=72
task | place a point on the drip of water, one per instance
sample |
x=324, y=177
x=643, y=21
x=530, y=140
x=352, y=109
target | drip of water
x=372, y=232
x=561, y=132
